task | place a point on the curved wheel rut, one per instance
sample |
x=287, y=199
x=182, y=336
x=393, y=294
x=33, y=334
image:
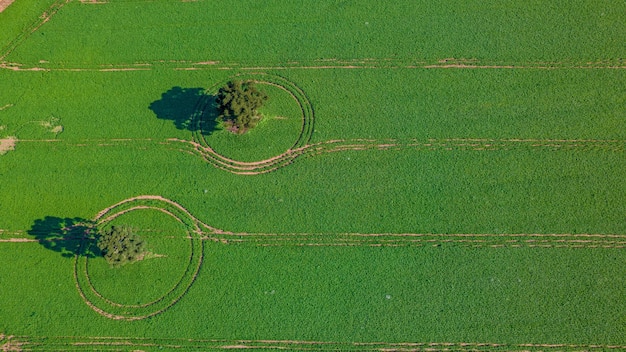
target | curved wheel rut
x=197, y=232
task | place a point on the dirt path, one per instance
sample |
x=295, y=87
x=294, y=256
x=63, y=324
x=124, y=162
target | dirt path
x=4, y=4
x=207, y=154
x=324, y=64
x=17, y=343
x=17, y=240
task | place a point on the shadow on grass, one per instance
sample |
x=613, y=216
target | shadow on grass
x=189, y=109
x=69, y=236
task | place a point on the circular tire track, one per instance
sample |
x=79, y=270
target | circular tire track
x=114, y=310
x=198, y=232
x=262, y=166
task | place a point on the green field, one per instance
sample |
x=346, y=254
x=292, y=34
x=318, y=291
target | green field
x=427, y=175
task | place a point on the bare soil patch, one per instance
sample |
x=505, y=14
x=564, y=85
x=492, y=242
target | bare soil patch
x=4, y=4
x=17, y=240
x=7, y=144
x=149, y=255
x=52, y=125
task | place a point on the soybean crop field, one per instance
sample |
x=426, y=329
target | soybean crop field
x=427, y=175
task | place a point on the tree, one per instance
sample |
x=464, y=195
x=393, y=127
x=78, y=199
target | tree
x=238, y=103
x=120, y=245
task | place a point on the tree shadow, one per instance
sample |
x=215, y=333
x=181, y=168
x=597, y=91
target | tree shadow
x=69, y=236
x=189, y=109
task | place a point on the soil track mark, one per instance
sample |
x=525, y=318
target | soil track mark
x=198, y=232
x=27, y=32
x=15, y=236
x=439, y=145
x=79, y=343
x=323, y=64
x=302, y=148
x=434, y=240
x=130, y=312
x=210, y=233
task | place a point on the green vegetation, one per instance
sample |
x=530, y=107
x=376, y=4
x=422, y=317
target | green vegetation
x=247, y=33
x=120, y=245
x=167, y=238
x=528, y=294
x=238, y=104
x=427, y=118
x=275, y=133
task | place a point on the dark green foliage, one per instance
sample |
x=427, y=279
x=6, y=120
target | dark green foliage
x=69, y=236
x=119, y=246
x=238, y=103
x=185, y=107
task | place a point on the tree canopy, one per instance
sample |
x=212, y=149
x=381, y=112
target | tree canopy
x=238, y=103
x=120, y=245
